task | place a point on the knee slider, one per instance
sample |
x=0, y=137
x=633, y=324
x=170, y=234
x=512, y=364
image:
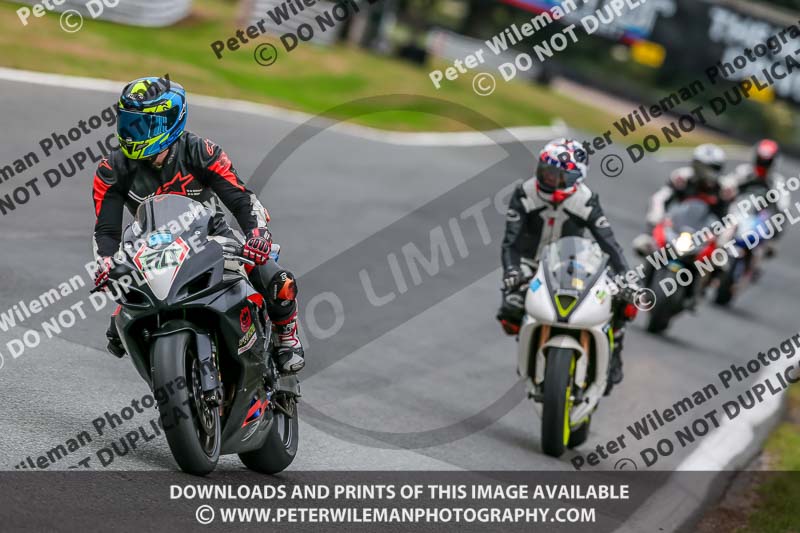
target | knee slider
x=282, y=288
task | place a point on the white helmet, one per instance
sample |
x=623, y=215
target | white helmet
x=562, y=165
x=707, y=162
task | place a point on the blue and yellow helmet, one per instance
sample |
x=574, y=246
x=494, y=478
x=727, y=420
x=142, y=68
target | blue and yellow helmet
x=151, y=116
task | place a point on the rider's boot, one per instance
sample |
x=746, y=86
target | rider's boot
x=287, y=350
x=114, y=346
x=511, y=312
x=615, y=374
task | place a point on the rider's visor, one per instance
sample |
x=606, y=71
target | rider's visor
x=138, y=127
x=713, y=168
x=555, y=178
x=709, y=172
x=764, y=162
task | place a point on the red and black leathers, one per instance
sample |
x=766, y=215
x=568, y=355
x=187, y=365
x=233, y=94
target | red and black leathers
x=194, y=167
x=201, y=170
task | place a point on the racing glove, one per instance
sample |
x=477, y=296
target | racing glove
x=104, y=266
x=258, y=246
x=629, y=296
x=512, y=279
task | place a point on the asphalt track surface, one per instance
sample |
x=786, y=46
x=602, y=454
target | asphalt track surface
x=397, y=378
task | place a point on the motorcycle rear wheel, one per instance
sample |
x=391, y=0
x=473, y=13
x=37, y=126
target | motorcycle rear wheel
x=280, y=447
x=191, y=427
x=557, y=401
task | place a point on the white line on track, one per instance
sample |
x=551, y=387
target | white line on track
x=432, y=139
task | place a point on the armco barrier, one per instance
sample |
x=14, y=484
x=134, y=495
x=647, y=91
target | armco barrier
x=263, y=8
x=153, y=13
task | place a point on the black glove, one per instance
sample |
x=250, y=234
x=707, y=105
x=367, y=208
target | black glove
x=512, y=279
x=258, y=245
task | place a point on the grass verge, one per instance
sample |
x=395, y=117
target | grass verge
x=764, y=500
x=311, y=79
x=777, y=497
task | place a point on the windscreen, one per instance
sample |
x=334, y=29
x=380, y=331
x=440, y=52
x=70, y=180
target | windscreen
x=170, y=214
x=165, y=231
x=572, y=263
x=691, y=216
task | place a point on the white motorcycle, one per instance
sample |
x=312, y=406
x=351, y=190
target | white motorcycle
x=566, y=340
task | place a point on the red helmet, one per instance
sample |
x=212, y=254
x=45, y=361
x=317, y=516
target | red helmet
x=766, y=153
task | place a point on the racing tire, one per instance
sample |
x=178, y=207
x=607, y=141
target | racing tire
x=724, y=293
x=556, y=402
x=579, y=436
x=665, y=307
x=192, y=429
x=280, y=447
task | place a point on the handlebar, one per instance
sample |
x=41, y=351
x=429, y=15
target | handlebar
x=117, y=271
x=234, y=253
x=229, y=252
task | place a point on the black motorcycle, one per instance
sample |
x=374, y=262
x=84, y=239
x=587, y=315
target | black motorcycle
x=677, y=243
x=197, y=332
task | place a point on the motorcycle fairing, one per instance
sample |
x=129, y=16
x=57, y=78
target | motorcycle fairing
x=200, y=288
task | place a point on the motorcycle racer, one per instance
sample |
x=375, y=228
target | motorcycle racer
x=702, y=180
x=157, y=156
x=556, y=203
x=760, y=176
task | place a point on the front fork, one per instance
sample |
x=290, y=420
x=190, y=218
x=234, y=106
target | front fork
x=536, y=363
x=213, y=392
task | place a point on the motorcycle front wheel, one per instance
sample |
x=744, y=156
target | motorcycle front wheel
x=665, y=307
x=557, y=401
x=727, y=284
x=191, y=426
x=579, y=436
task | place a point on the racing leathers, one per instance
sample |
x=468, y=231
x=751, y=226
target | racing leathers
x=201, y=170
x=755, y=188
x=683, y=185
x=747, y=183
x=534, y=221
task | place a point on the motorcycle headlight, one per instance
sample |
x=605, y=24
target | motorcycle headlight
x=684, y=243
